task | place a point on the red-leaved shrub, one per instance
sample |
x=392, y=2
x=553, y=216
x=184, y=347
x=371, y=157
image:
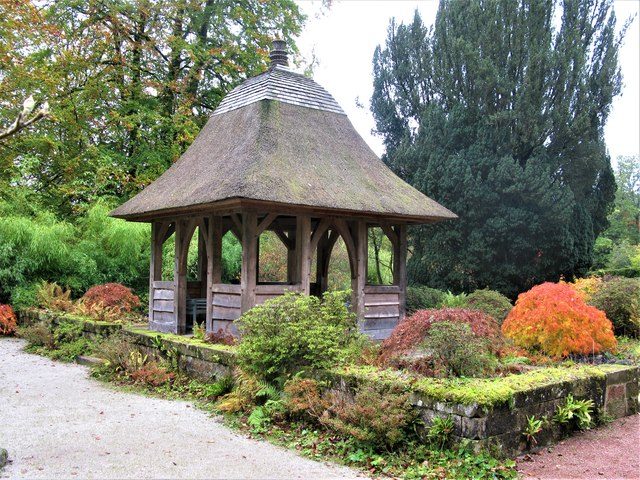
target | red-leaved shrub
x=411, y=332
x=152, y=374
x=7, y=320
x=112, y=296
x=554, y=319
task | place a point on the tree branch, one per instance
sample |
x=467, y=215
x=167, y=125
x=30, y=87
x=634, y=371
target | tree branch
x=22, y=121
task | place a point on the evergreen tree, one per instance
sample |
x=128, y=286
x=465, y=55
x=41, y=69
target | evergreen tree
x=499, y=115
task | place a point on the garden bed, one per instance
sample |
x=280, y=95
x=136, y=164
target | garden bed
x=489, y=413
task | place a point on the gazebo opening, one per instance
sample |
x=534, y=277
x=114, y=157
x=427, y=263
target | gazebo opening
x=380, y=263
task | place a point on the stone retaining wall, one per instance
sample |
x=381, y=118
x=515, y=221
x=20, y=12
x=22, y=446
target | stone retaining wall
x=199, y=360
x=91, y=328
x=499, y=429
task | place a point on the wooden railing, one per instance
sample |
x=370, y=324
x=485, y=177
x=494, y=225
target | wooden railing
x=162, y=316
x=381, y=310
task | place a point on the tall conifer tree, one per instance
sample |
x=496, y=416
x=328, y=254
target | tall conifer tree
x=497, y=112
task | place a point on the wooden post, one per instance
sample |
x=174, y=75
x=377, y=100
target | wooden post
x=155, y=262
x=303, y=252
x=180, y=279
x=360, y=275
x=213, y=242
x=257, y=257
x=400, y=268
x=292, y=270
x=249, y=260
x=216, y=227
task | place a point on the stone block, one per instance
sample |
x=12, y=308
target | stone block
x=616, y=400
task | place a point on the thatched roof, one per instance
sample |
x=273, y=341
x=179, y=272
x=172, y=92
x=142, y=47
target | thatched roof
x=281, y=138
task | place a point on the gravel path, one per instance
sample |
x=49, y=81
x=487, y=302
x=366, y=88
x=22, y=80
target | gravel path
x=610, y=452
x=57, y=422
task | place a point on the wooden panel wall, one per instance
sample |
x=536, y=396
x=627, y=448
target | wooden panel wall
x=227, y=305
x=162, y=297
x=267, y=292
x=382, y=310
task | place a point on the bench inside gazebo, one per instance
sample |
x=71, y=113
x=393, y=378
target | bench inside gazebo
x=279, y=155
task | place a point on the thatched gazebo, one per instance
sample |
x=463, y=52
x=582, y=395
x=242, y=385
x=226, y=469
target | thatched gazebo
x=277, y=154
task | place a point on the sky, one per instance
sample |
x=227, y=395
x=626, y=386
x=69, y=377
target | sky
x=343, y=38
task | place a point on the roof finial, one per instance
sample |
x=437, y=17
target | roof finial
x=278, y=53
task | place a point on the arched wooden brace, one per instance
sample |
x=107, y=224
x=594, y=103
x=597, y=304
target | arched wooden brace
x=323, y=257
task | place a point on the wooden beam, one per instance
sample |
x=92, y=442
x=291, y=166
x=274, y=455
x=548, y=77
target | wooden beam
x=202, y=258
x=288, y=242
x=214, y=264
x=292, y=260
x=249, y=260
x=266, y=221
x=343, y=229
x=237, y=221
x=166, y=230
x=180, y=278
x=217, y=232
x=155, y=262
x=322, y=262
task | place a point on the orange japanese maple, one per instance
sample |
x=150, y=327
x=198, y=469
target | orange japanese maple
x=554, y=319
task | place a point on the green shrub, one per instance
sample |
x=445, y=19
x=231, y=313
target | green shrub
x=619, y=299
x=24, y=296
x=295, y=332
x=420, y=297
x=67, y=331
x=490, y=302
x=575, y=413
x=440, y=431
x=457, y=350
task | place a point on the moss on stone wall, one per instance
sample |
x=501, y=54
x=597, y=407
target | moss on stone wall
x=483, y=392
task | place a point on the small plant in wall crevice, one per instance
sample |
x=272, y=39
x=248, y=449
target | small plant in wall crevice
x=575, y=413
x=531, y=429
x=440, y=432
